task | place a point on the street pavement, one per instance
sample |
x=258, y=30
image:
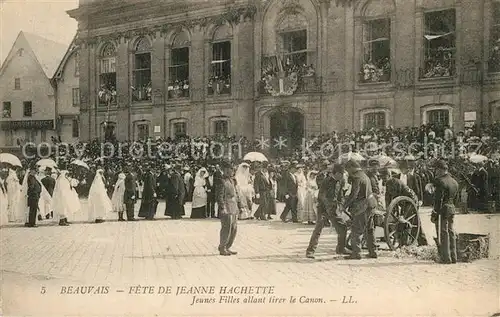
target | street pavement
x=49, y=270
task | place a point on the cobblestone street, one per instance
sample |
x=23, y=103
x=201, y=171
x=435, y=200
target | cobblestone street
x=39, y=264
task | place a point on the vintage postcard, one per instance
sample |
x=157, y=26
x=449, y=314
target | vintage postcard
x=250, y=158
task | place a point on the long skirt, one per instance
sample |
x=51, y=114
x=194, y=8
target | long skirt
x=310, y=205
x=199, y=212
x=245, y=196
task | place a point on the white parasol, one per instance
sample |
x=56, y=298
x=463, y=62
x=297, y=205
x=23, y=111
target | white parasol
x=351, y=156
x=477, y=158
x=255, y=157
x=10, y=159
x=80, y=163
x=47, y=163
x=385, y=161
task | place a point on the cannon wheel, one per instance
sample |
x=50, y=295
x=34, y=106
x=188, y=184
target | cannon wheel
x=402, y=224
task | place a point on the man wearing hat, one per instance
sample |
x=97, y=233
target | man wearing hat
x=228, y=209
x=330, y=198
x=444, y=213
x=33, y=195
x=129, y=197
x=290, y=190
x=360, y=203
x=263, y=192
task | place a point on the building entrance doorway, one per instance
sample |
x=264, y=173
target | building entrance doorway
x=287, y=126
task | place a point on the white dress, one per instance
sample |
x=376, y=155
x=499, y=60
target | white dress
x=65, y=202
x=13, y=195
x=200, y=193
x=117, y=199
x=99, y=202
x=301, y=194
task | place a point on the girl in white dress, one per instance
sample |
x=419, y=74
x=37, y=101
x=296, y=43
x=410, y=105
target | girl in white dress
x=199, y=203
x=13, y=194
x=245, y=190
x=117, y=199
x=65, y=199
x=99, y=202
x=301, y=191
x=310, y=210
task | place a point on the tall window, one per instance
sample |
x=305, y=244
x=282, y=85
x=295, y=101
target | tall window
x=221, y=127
x=374, y=120
x=294, y=49
x=143, y=131
x=76, y=96
x=219, y=81
x=7, y=109
x=439, y=117
x=494, y=62
x=27, y=109
x=178, y=86
x=17, y=83
x=180, y=129
x=141, y=90
x=377, y=51
x=75, y=128
x=77, y=64
x=107, y=74
x=439, y=44
x=9, y=137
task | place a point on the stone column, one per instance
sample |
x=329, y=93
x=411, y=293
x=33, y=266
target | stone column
x=86, y=101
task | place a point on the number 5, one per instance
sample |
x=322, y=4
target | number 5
x=42, y=291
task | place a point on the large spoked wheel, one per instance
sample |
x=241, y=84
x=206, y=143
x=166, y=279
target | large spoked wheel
x=402, y=224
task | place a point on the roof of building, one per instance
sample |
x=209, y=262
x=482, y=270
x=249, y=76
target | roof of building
x=48, y=53
x=70, y=49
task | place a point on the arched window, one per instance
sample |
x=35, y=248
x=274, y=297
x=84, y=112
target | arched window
x=178, y=128
x=439, y=115
x=178, y=86
x=220, y=72
x=292, y=41
x=439, y=44
x=141, y=88
x=374, y=118
x=107, y=74
x=220, y=126
x=376, y=60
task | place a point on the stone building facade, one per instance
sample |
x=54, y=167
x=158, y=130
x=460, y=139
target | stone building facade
x=285, y=67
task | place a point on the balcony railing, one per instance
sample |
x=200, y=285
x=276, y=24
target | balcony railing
x=141, y=93
x=106, y=95
x=178, y=89
x=219, y=86
x=371, y=73
x=6, y=113
x=438, y=69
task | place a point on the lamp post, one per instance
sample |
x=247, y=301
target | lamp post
x=107, y=95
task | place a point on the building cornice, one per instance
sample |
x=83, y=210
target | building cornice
x=233, y=15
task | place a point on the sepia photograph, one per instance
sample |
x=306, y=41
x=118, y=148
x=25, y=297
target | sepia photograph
x=250, y=158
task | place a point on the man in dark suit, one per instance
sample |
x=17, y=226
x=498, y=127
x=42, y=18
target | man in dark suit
x=211, y=193
x=330, y=198
x=148, y=199
x=34, y=191
x=129, y=194
x=49, y=183
x=444, y=213
x=412, y=180
x=228, y=209
x=480, y=181
x=263, y=193
x=360, y=203
x=290, y=188
x=175, y=194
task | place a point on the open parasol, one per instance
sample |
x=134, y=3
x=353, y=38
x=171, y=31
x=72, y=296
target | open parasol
x=351, y=156
x=80, y=163
x=47, y=163
x=10, y=159
x=385, y=161
x=255, y=157
x=477, y=158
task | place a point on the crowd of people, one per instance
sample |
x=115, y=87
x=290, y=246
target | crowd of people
x=193, y=170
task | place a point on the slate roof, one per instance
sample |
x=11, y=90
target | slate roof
x=48, y=53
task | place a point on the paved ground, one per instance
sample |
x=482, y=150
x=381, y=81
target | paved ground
x=39, y=264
